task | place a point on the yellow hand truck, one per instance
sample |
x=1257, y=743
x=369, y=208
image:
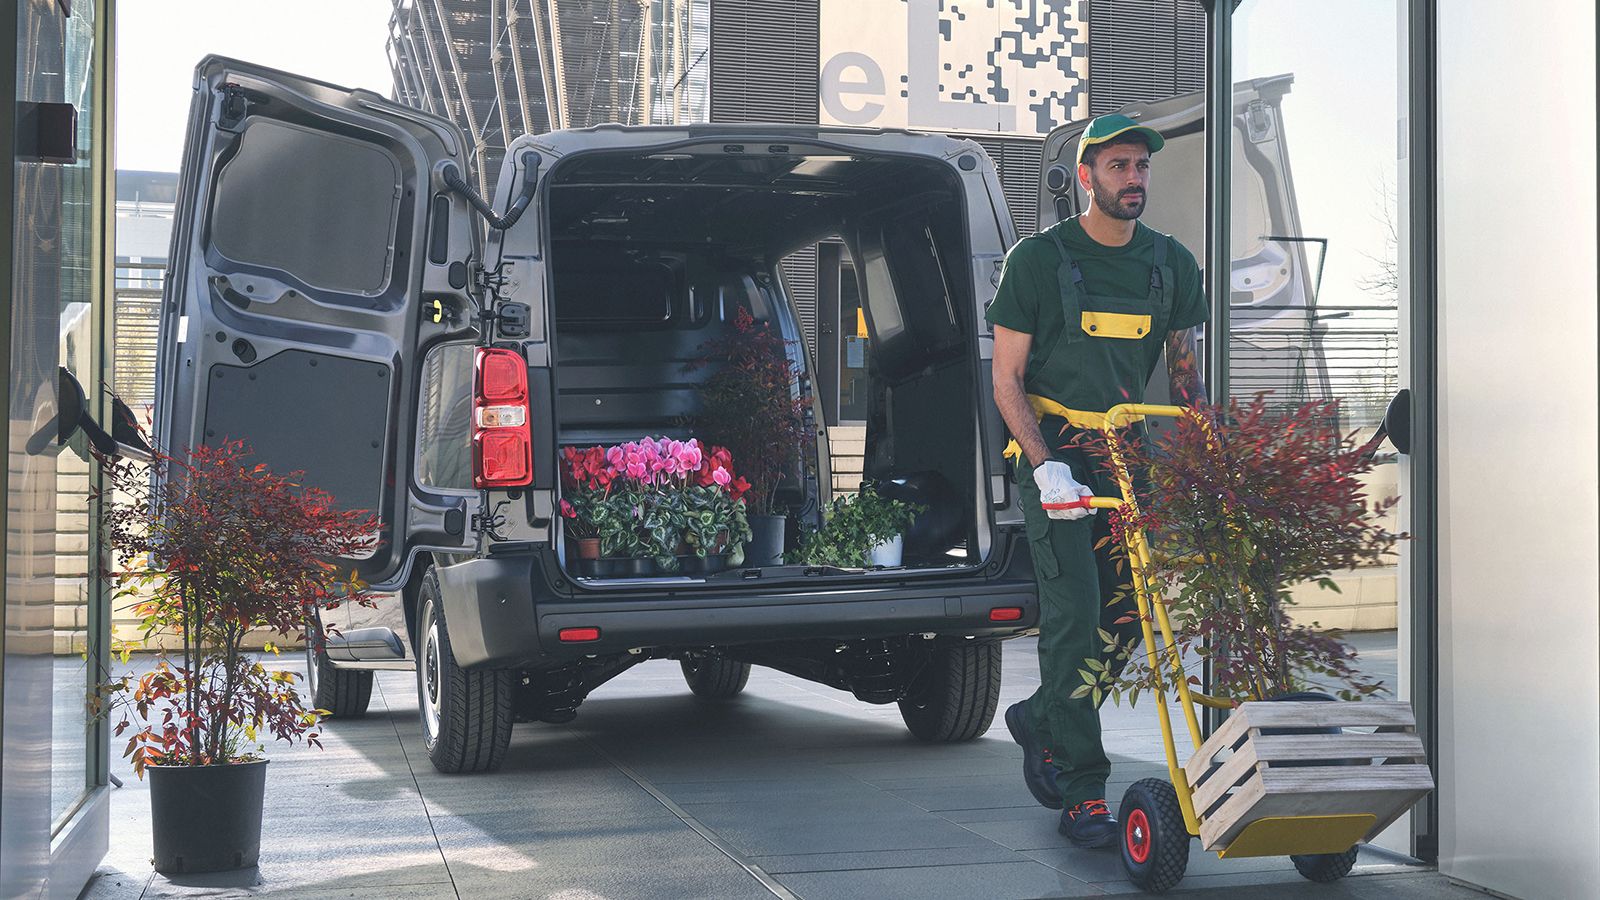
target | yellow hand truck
x=1279, y=778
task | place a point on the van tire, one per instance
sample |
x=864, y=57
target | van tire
x=466, y=714
x=344, y=693
x=715, y=677
x=955, y=696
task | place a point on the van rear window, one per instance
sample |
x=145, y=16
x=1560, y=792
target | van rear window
x=321, y=207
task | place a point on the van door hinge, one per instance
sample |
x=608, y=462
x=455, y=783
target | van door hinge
x=235, y=106
x=1257, y=121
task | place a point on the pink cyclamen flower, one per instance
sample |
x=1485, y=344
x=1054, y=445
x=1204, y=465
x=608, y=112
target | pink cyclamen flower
x=721, y=476
x=688, y=456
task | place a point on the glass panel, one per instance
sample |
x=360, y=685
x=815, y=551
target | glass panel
x=444, y=427
x=853, y=348
x=77, y=263
x=1316, y=224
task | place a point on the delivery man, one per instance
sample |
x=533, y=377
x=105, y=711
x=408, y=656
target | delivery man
x=1082, y=314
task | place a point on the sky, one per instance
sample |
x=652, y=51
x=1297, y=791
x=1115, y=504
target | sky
x=1340, y=120
x=159, y=42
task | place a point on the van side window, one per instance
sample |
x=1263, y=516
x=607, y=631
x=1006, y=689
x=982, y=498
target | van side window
x=444, y=422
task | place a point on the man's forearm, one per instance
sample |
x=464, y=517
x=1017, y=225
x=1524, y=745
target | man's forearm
x=1183, y=369
x=1012, y=400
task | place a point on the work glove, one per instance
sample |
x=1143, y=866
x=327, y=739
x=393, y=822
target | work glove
x=1056, y=485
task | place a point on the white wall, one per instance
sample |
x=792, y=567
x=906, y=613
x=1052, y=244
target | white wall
x=1519, y=754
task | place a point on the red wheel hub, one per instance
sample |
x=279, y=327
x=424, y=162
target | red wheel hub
x=1136, y=833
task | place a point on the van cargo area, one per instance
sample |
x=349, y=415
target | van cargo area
x=653, y=253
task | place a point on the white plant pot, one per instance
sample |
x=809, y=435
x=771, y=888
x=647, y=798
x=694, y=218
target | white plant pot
x=887, y=553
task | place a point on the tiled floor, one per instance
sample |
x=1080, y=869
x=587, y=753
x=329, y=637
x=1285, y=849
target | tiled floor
x=791, y=790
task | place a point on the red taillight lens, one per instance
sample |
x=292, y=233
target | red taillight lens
x=579, y=635
x=502, y=444
x=1005, y=614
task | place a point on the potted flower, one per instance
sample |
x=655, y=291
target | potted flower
x=585, y=480
x=750, y=405
x=863, y=529
x=213, y=547
x=654, y=504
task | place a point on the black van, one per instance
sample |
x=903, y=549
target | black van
x=331, y=290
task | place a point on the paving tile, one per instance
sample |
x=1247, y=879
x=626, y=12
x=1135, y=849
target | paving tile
x=607, y=859
x=883, y=859
x=992, y=881
x=765, y=830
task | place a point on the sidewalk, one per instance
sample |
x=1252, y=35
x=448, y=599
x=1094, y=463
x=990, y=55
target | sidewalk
x=790, y=790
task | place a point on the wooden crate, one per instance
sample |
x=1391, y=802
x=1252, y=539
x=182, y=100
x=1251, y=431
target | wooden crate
x=1241, y=775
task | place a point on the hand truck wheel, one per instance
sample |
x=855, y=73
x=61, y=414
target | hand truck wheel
x=1155, y=841
x=1325, y=867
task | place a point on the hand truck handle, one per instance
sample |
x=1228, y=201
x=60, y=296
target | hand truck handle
x=1085, y=503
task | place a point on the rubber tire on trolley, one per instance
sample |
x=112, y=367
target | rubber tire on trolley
x=466, y=714
x=714, y=676
x=954, y=698
x=1155, y=841
x=1325, y=867
x=344, y=693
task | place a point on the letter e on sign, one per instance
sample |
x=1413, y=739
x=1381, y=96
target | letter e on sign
x=852, y=75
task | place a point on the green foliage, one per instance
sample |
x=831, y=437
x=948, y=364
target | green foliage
x=211, y=548
x=854, y=525
x=751, y=405
x=1243, y=504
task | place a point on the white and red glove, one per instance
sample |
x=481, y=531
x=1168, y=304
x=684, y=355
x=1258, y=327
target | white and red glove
x=1056, y=485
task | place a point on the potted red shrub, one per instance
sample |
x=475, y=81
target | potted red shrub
x=749, y=405
x=212, y=547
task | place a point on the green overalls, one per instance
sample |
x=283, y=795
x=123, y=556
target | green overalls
x=1108, y=358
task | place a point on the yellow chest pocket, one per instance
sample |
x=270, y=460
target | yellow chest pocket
x=1116, y=325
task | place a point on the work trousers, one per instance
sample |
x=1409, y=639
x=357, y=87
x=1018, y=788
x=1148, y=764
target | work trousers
x=1079, y=588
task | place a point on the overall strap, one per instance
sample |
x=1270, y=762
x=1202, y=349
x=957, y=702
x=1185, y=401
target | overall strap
x=1070, y=278
x=1161, y=287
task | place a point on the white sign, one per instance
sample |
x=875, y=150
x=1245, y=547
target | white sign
x=986, y=66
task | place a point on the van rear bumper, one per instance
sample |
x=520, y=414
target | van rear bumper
x=501, y=614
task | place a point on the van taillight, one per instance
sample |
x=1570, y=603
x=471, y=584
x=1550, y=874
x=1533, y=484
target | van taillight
x=502, y=445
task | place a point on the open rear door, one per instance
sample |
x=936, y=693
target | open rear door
x=316, y=253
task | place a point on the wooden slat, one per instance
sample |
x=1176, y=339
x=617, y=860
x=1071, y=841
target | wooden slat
x=1384, y=791
x=1313, y=780
x=1354, y=745
x=1224, y=738
x=1222, y=779
x=1321, y=714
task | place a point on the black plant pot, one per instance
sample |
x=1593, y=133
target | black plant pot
x=639, y=567
x=207, y=818
x=766, y=542
x=710, y=564
x=1305, y=695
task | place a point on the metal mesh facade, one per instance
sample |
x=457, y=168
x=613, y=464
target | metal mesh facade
x=500, y=68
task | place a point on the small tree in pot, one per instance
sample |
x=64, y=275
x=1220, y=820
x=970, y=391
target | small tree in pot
x=1241, y=505
x=751, y=406
x=212, y=548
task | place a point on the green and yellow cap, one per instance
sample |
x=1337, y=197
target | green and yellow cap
x=1105, y=128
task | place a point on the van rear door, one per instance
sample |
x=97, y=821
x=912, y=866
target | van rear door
x=316, y=255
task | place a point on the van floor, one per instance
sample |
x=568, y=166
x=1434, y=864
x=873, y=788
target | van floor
x=651, y=792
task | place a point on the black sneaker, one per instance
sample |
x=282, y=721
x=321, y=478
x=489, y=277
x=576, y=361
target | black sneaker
x=1089, y=825
x=1037, y=770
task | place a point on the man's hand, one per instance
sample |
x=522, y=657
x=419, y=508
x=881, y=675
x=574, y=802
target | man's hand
x=1056, y=485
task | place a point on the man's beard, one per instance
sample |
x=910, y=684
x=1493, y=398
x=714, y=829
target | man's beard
x=1117, y=206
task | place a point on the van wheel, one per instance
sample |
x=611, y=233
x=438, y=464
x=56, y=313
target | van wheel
x=466, y=715
x=344, y=693
x=956, y=694
x=714, y=676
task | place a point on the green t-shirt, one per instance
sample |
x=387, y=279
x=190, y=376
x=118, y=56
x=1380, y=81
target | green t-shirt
x=1097, y=373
